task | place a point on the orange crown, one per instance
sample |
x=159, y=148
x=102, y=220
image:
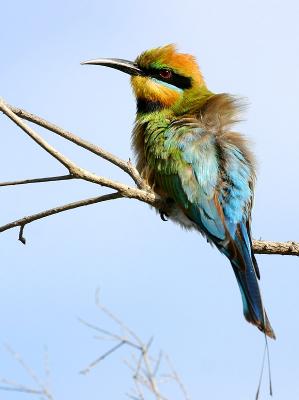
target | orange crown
x=168, y=57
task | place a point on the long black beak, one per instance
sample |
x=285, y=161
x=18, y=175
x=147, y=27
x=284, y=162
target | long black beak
x=126, y=66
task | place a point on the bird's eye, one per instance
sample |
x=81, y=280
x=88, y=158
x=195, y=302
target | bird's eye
x=165, y=73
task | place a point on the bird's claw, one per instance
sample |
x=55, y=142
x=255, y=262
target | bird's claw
x=163, y=215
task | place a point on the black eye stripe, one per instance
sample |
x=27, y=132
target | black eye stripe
x=180, y=81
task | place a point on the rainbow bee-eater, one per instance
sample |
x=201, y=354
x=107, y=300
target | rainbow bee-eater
x=187, y=152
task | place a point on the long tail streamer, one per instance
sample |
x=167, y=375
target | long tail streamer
x=266, y=352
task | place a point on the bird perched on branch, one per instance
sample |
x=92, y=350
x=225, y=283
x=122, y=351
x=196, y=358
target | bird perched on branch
x=188, y=154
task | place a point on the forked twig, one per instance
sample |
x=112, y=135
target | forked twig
x=144, y=367
x=125, y=166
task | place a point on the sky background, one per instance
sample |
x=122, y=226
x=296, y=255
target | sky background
x=160, y=280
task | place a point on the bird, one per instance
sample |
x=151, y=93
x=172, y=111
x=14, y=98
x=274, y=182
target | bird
x=187, y=152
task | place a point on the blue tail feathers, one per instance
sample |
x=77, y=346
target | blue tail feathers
x=239, y=251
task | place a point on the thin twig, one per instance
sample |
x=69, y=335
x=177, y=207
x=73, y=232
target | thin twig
x=102, y=357
x=81, y=203
x=22, y=390
x=122, y=341
x=177, y=379
x=38, y=180
x=19, y=359
x=101, y=330
x=16, y=387
x=149, y=374
x=158, y=362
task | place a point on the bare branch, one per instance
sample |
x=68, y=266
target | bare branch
x=81, y=203
x=142, y=193
x=125, y=166
x=282, y=248
x=143, y=348
x=144, y=367
x=38, y=180
x=147, y=196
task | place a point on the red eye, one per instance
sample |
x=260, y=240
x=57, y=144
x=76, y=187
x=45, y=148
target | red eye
x=165, y=73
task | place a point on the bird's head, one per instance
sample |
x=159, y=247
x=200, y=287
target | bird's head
x=162, y=78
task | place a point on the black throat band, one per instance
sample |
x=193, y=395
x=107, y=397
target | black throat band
x=147, y=106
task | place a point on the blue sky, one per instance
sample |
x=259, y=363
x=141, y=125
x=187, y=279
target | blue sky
x=160, y=280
